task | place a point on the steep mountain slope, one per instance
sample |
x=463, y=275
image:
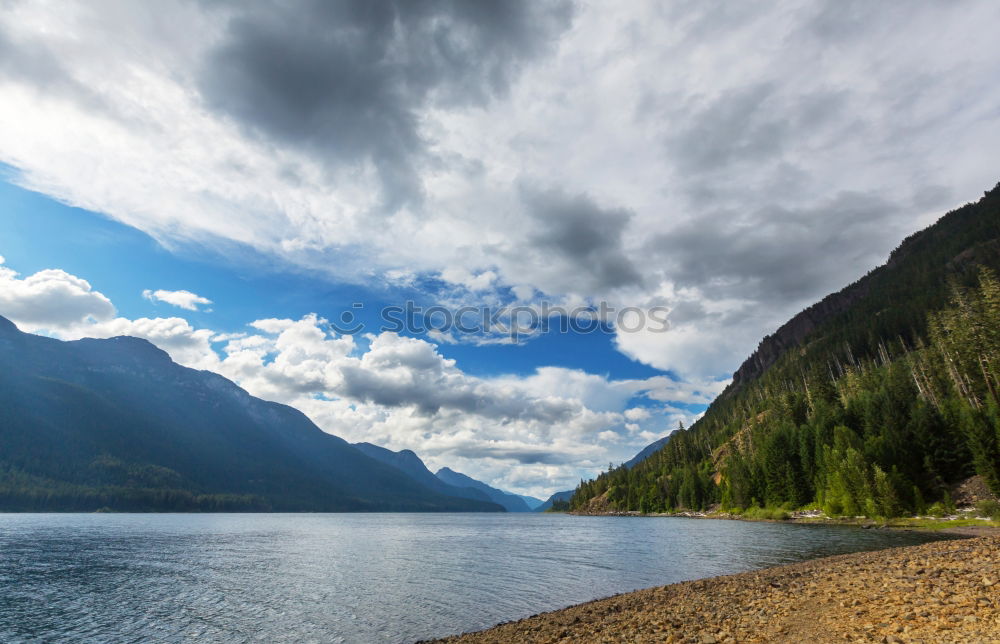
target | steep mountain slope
x=894, y=298
x=646, y=452
x=411, y=465
x=115, y=423
x=874, y=400
x=511, y=502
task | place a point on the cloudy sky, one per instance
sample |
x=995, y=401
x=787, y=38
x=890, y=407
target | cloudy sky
x=227, y=179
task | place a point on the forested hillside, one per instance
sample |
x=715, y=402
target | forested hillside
x=871, y=402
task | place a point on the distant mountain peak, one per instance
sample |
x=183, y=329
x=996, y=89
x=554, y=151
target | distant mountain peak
x=6, y=326
x=511, y=502
x=407, y=461
x=140, y=344
x=124, y=346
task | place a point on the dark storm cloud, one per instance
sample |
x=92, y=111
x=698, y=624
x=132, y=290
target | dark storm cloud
x=526, y=455
x=345, y=79
x=775, y=255
x=429, y=393
x=576, y=234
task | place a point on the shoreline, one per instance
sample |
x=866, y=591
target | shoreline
x=952, y=524
x=947, y=590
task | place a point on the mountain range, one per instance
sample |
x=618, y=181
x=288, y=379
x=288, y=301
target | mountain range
x=510, y=502
x=116, y=424
x=447, y=481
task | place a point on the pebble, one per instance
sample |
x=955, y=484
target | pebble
x=858, y=597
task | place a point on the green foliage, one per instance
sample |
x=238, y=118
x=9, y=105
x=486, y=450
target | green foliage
x=936, y=524
x=938, y=510
x=989, y=509
x=20, y=492
x=767, y=513
x=885, y=403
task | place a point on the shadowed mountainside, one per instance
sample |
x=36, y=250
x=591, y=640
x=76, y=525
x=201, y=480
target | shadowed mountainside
x=511, y=502
x=409, y=463
x=116, y=424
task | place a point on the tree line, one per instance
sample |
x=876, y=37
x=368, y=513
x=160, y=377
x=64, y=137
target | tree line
x=879, y=435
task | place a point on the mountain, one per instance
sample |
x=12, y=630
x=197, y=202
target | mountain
x=510, y=502
x=531, y=501
x=117, y=424
x=876, y=400
x=410, y=464
x=646, y=452
x=558, y=496
x=895, y=297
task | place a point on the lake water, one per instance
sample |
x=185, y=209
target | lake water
x=357, y=577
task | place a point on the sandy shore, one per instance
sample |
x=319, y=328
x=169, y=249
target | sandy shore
x=945, y=591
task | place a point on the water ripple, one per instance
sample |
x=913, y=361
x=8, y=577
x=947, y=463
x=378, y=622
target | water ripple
x=356, y=577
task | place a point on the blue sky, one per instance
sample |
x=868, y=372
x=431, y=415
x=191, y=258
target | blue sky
x=39, y=233
x=227, y=179
x=121, y=262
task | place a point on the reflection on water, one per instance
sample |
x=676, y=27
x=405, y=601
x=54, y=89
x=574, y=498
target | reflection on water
x=357, y=577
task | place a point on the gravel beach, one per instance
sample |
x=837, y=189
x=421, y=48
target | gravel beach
x=945, y=591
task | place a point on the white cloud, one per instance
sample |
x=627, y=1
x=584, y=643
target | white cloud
x=637, y=413
x=717, y=161
x=50, y=299
x=57, y=303
x=185, y=344
x=561, y=424
x=181, y=299
x=533, y=434
x=458, y=275
x=272, y=325
x=700, y=157
x=226, y=337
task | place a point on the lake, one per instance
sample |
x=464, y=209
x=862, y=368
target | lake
x=358, y=577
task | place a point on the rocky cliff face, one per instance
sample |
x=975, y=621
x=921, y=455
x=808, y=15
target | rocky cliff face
x=956, y=232
x=795, y=331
